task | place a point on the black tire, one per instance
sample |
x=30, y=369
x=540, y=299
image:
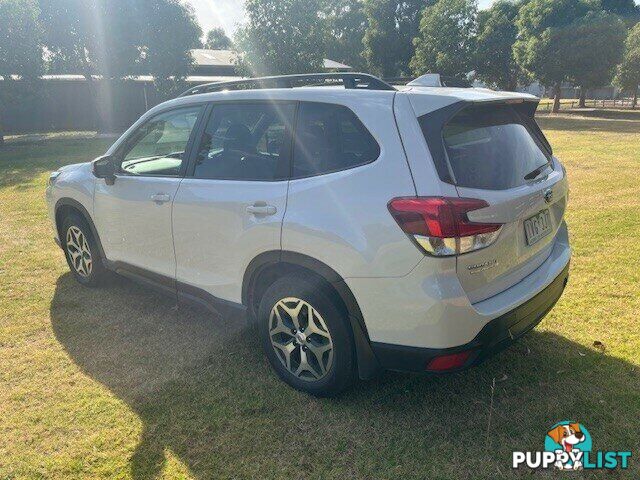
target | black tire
x=340, y=372
x=94, y=275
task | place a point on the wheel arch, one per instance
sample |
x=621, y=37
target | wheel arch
x=66, y=205
x=275, y=264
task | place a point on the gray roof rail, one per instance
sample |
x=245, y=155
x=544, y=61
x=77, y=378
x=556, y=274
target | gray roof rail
x=349, y=80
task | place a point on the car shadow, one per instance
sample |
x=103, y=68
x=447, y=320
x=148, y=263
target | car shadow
x=204, y=391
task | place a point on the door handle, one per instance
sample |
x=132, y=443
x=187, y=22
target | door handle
x=160, y=197
x=261, y=208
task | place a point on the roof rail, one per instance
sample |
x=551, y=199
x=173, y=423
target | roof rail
x=349, y=80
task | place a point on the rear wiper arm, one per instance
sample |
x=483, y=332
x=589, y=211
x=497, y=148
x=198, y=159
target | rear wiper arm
x=536, y=172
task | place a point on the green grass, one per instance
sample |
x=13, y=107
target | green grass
x=117, y=383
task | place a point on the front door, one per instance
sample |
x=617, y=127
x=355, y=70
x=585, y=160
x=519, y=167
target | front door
x=230, y=206
x=133, y=216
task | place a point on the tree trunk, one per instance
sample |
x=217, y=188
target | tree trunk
x=583, y=97
x=1, y=131
x=556, y=98
x=93, y=93
x=635, y=99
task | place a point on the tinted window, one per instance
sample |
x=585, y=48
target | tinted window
x=492, y=147
x=246, y=142
x=330, y=138
x=158, y=147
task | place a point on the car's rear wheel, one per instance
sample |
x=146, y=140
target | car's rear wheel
x=81, y=251
x=305, y=334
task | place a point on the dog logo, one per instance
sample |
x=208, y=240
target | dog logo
x=567, y=446
x=570, y=438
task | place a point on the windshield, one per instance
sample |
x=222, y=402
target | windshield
x=492, y=147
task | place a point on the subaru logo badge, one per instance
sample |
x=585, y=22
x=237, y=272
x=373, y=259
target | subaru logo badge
x=548, y=195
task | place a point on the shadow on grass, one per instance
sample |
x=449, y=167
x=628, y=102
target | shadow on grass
x=204, y=391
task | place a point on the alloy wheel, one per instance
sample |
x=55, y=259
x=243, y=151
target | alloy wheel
x=300, y=339
x=79, y=252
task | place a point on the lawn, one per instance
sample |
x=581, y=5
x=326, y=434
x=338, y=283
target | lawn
x=118, y=383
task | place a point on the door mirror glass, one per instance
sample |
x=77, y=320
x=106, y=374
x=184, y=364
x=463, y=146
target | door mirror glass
x=104, y=167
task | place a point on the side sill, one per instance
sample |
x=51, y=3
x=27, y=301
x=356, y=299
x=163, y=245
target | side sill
x=199, y=297
x=182, y=292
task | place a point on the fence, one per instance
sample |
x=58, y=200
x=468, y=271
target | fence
x=70, y=102
x=566, y=104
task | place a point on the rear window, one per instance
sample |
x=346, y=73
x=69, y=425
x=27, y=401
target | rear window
x=492, y=147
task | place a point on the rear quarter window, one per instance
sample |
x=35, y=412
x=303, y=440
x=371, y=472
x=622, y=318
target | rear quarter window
x=330, y=138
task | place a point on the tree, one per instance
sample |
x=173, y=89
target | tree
x=345, y=23
x=281, y=37
x=169, y=61
x=217, y=40
x=445, y=44
x=628, y=74
x=624, y=8
x=597, y=41
x=20, y=51
x=391, y=27
x=541, y=48
x=497, y=32
x=119, y=39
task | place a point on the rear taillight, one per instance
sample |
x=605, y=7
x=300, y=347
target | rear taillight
x=440, y=225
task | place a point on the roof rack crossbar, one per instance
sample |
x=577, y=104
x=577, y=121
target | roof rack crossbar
x=349, y=81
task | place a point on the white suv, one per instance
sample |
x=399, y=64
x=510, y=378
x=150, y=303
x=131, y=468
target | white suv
x=361, y=228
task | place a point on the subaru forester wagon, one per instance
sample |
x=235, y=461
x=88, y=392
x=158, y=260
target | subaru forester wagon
x=361, y=226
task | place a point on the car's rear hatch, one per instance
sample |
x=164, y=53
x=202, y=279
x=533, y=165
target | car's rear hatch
x=494, y=151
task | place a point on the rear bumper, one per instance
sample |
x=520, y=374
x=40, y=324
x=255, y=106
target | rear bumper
x=495, y=336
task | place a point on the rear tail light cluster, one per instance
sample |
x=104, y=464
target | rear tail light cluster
x=440, y=225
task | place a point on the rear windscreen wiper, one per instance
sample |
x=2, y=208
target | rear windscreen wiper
x=536, y=172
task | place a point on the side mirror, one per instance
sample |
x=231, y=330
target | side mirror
x=104, y=167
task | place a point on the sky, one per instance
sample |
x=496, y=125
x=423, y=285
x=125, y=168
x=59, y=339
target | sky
x=229, y=13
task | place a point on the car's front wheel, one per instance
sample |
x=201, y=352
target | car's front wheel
x=81, y=251
x=305, y=334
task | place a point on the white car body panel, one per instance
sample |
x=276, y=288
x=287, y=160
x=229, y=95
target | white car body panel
x=204, y=237
x=133, y=227
x=75, y=182
x=425, y=175
x=341, y=218
x=429, y=308
x=216, y=238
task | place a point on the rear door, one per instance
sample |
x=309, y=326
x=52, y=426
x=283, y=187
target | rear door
x=496, y=153
x=229, y=207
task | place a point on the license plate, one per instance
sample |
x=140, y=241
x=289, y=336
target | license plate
x=537, y=226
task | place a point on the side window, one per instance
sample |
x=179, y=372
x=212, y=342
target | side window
x=246, y=141
x=330, y=138
x=158, y=146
